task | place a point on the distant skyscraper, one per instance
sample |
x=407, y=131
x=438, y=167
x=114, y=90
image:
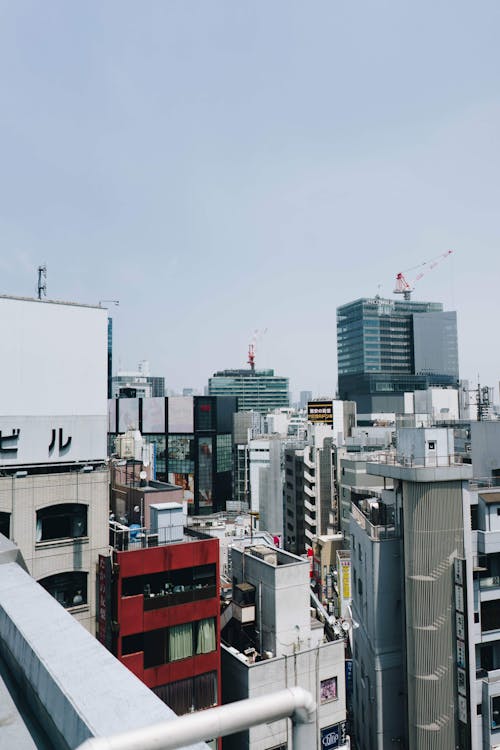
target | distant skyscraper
x=305, y=396
x=388, y=347
x=110, y=357
x=137, y=384
x=257, y=390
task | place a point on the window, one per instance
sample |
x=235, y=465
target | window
x=495, y=712
x=192, y=694
x=65, y=521
x=490, y=617
x=70, y=589
x=224, y=453
x=431, y=445
x=172, y=587
x=180, y=641
x=5, y=524
x=205, y=636
x=474, y=517
x=132, y=644
x=328, y=690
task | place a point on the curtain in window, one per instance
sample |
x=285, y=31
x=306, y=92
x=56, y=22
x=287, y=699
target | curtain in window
x=180, y=641
x=205, y=694
x=178, y=695
x=205, y=641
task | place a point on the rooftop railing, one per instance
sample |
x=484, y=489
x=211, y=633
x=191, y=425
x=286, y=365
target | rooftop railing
x=376, y=532
x=428, y=461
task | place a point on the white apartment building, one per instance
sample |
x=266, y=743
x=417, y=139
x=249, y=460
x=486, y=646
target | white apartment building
x=270, y=645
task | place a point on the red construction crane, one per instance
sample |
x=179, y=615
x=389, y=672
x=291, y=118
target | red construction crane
x=251, y=347
x=405, y=287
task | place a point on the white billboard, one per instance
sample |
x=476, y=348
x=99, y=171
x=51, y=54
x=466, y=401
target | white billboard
x=44, y=440
x=54, y=359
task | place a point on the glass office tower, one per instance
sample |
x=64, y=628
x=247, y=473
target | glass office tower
x=388, y=347
x=257, y=390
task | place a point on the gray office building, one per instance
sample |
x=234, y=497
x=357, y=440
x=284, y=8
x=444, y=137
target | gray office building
x=389, y=347
x=257, y=390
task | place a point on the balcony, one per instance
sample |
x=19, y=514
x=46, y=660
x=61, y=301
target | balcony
x=389, y=458
x=493, y=582
x=377, y=532
x=173, y=598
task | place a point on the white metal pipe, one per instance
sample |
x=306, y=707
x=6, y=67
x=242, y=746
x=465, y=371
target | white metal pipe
x=294, y=702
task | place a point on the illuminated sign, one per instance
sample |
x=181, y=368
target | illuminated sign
x=320, y=412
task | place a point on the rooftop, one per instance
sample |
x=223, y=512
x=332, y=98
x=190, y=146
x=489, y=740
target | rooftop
x=59, y=676
x=50, y=301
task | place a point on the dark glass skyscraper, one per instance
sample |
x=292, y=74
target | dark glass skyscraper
x=388, y=347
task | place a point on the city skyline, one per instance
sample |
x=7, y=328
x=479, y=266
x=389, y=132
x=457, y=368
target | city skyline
x=223, y=168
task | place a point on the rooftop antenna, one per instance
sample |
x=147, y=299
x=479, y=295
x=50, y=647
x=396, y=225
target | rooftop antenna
x=42, y=281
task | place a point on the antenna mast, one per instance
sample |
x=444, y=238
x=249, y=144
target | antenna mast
x=42, y=281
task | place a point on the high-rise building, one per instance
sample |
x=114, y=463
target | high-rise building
x=138, y=383
x=422, y=623
x=110, y=357
x=387, y=348
x=191, y=439
x=257, y=390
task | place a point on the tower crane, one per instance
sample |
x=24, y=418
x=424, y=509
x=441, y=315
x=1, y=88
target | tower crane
x=405, y=287
x=251, y=347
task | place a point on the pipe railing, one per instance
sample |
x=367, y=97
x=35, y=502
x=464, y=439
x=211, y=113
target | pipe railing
x=294, y=703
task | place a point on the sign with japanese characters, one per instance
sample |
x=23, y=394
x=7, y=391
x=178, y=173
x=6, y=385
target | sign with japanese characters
x=44, y=440
x=320, y=412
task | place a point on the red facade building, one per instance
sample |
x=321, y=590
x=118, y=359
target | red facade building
x=159, y=614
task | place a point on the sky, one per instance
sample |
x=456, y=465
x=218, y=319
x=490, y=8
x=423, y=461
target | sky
x=223, y=167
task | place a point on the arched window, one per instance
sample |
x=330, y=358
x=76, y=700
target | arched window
x=65, y=521
x=70, y=589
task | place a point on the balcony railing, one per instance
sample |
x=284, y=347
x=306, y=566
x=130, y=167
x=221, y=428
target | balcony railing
x=493, y=582
x=428, y=461
x=375, y=532
x=173, y=598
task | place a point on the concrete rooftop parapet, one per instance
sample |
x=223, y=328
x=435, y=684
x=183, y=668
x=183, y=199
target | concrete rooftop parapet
x=75, y=687
x=452, y=473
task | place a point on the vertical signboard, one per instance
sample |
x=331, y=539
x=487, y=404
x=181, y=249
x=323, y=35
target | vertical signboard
x=104, y=613
x=462, y=679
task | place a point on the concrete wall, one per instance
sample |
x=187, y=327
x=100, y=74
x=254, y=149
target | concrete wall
x=440, y=403
x=22, y=497
x=377, y=605
x=425, y=447
x=277, y=586
x=485, y=443
x=305, y=668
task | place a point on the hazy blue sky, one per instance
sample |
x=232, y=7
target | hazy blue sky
x=223, y=166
